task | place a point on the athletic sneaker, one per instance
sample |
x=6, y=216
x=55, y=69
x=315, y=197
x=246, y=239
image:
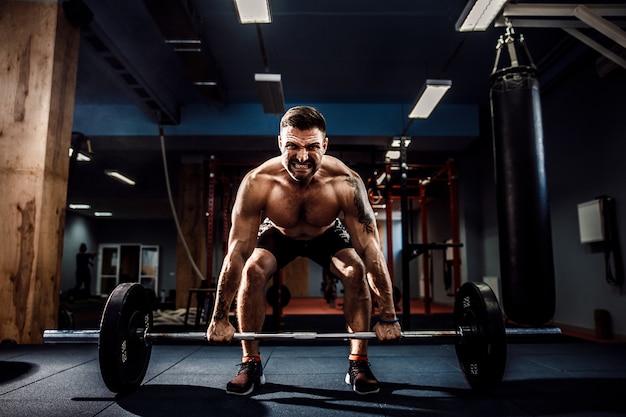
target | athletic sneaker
x=361, y=378
x=250, y=375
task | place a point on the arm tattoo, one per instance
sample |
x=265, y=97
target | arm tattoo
x=221, y=311
x=364, y=218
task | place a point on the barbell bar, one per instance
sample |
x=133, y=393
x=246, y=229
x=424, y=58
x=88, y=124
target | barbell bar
x=92, y=336
x=125, y=338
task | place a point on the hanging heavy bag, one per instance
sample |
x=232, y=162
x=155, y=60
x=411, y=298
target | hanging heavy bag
x=525, y=239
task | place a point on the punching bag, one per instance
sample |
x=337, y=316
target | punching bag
x=524, y=230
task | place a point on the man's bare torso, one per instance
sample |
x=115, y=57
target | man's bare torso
x=302, y=211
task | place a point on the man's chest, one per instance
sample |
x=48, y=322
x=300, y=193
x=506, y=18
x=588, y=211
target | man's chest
x=315, y=206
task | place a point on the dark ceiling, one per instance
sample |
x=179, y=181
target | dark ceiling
x=328, y=52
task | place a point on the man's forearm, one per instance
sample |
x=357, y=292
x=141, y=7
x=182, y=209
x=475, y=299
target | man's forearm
x=384, y=294
x=380, y=282
x=227, y=287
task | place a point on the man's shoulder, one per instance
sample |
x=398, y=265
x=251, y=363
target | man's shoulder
x=334, y=167
x=267, y=168
x=334, y=164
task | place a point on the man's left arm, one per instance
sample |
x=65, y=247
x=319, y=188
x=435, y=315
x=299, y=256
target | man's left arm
x=361, y=224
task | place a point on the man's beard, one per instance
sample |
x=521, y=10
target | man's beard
x=301, y=175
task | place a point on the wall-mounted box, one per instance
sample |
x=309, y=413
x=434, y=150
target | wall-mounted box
x=590, y=221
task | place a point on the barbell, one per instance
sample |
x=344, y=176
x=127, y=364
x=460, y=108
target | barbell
x=92, y=336
x=125, y=338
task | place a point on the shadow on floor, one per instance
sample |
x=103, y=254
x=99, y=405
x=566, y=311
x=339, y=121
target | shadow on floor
x=535, y=397
x=11, y=371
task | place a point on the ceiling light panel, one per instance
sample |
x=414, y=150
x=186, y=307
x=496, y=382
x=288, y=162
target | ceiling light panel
x=271, y=90
x=79, y=206
x=120, y=177
x=478, y=15
x=429, y=97
x=253, y=11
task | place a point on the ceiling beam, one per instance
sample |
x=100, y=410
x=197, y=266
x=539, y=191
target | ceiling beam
x=182, y=29
x=561, y=10
x=571, y=18
x=556, y=15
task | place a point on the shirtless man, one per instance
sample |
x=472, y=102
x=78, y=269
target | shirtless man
x=301, y=194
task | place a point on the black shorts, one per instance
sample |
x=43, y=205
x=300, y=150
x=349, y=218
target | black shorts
x=320, y=249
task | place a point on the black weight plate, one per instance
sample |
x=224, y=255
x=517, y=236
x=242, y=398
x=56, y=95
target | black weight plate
x=123, y=354
x=481, y=349
x=271, y=295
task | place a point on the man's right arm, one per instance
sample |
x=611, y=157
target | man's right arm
x=245, y=218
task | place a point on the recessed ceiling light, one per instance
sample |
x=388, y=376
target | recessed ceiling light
x=79, y=206
x=81, y=157
x=395, y=142
x=103, y=214
x=120, y=177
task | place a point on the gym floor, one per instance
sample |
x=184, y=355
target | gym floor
x=555, y=376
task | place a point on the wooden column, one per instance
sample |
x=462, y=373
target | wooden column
x=296, y=277
x=192, y=218
x=39, y=55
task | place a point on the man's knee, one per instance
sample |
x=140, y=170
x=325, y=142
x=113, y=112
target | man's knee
x=258, y=269
x=352, y=273
x=357, y=272
x=254, y=274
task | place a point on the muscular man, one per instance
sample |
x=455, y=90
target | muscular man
x=302, y=194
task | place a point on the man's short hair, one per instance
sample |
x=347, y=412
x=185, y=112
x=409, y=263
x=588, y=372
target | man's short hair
x=304, y=118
